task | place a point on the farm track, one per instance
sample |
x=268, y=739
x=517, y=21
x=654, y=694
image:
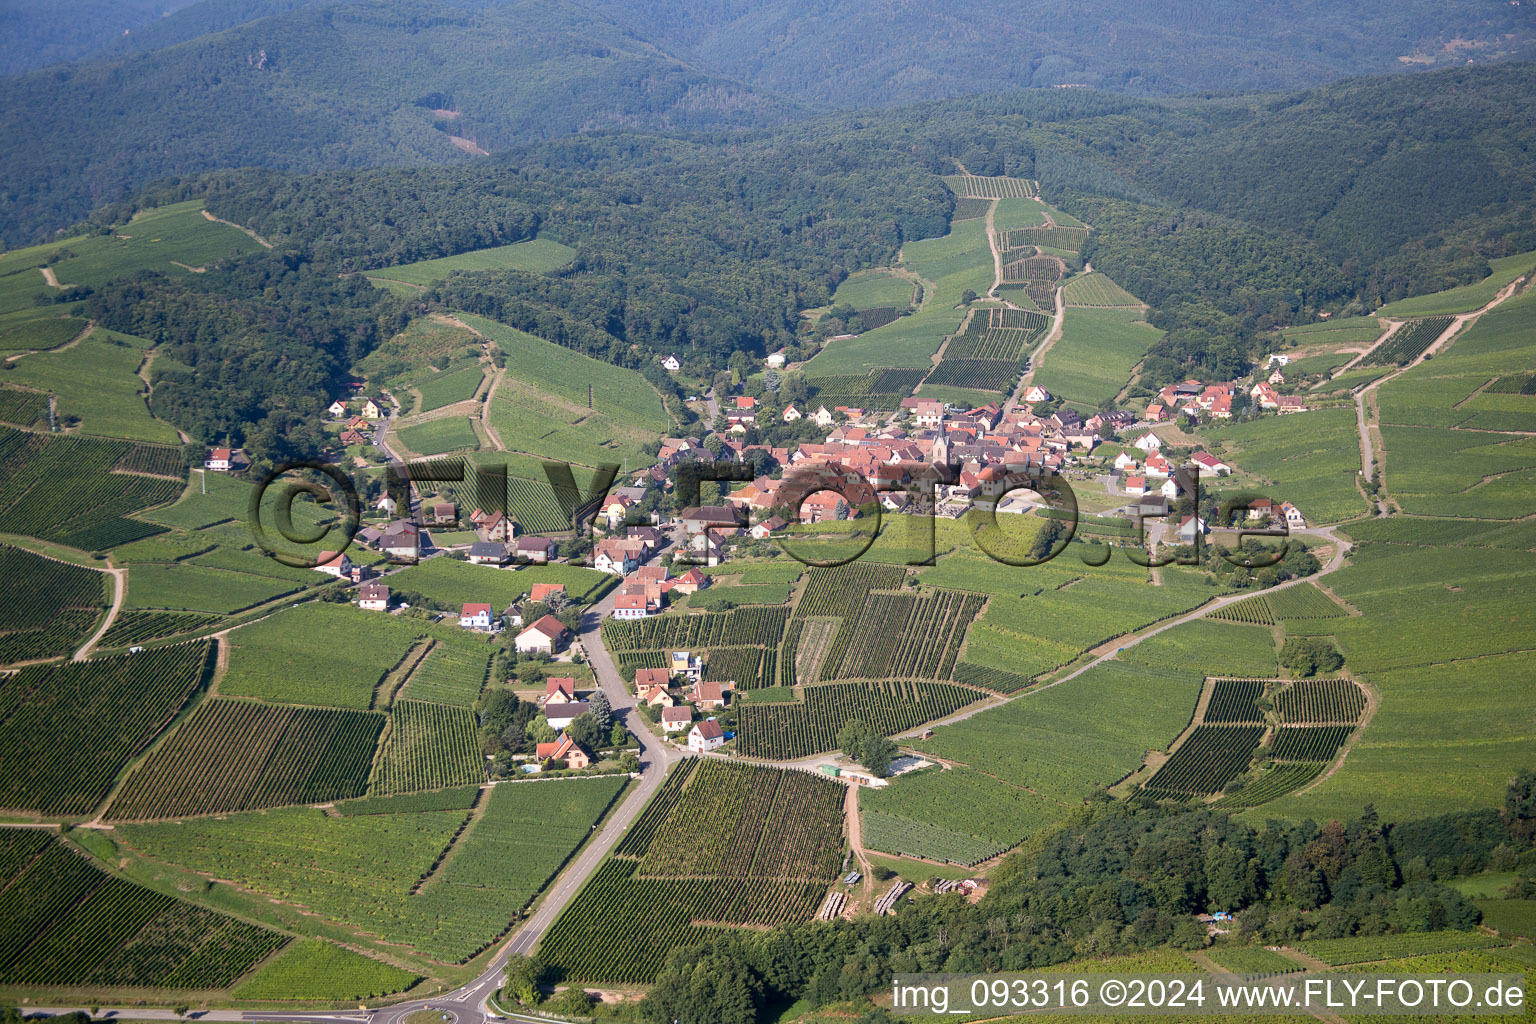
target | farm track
x=120, y=594
x=71, y=343
x=238, y=227
x=1035, y=358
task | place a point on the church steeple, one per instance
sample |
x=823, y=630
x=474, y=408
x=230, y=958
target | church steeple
x=941, y=443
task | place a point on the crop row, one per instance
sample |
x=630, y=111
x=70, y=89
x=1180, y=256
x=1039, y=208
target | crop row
x=23, y=408
x=995, y=679
x=747, y=667
x=451, y=674
x=1342, y=952
x=1520, y=384
x=37, y=588
x=1309, y=742
x=1320, y=701
x=1054, y=238
x=235, y=755
x=840, y=590
x=67, y=923
x=621, y=927
x=67, y=730
x=1303, y=602
x=137, y=627
x=430, y=746
x=1277, y=781
x=975, y=374
x=977, y=186
x=1251, y=611
x=638, y=839
x=159, y=459
x=1409, y=342
x=910, y=837
x=752, y=624
x=787, y=731
x=1233, y=700
x=746, y=821
x=60, y=488
x=1210, y=757
x=904, y=636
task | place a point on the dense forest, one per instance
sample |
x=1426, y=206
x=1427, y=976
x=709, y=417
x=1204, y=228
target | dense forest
x=1119, y=879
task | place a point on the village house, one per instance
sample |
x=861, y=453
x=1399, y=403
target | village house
x=561, y=714
x=563, y=751
x=707, y=696
x=1135, y=485
x=1035, y=393
x=685, y=664
x=337, y=409
x=709, y=518
x=764, y=529
x=1260, y=508
x=477, y=617
x=373, y=597
x=352, y=437
x=656, y=696
x=1125, y=461
x=546, y=636
x=401, y=540
x=333, y=564
x=534, y=549
x=649, y=677
x=498, y=527
x=1210, y=464
x=776, y=360
x=374, y=409
x=690, y=582
x=443, y=513
x=484, y=552
x=790, y=413
x=822, y=417
x=671, y=363
x=1156, y=413
x=219, y=459
x=1293, y=517
x=1158, y=466
x=386, y=504
x=705, y=736
x=1191, y=527
x=1149, y=442
x=1287, y=404
x=615, y=557
x=631, y=606
x=615, y=509
x=542, y=592
x=676, y=719
x=560, y=690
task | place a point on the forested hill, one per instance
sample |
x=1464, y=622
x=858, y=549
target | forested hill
x=852, y=53
x=377, y=83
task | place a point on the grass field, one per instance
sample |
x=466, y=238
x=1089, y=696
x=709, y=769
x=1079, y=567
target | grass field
x=537, y=256
x=96, y=379
x=435, y=437
x=1467, y=297
x=959, y=260
x=560, y=371
x=1088, y=733
x=1093, y=358
x=869, y=289
x=314, y=969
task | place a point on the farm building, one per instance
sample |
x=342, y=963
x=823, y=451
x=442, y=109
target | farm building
x=373, y=597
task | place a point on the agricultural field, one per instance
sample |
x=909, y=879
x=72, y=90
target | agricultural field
x=975, y=186
x=959, y=260
x=1096, y=289
x=566, y=374
x=748, y=625
x=536, y=255
x=313, y=969
x=1309, y=742
x=1303, y=602
x=874, y=289
x=1253, y=960
x=719, y=843
x=1018, y=213
x=1320, y=701
x=1271, y=783
x=429, y=746
x=139, y=627
x=321, y=653
x=1233, y=701
x=213, y=498
x=61, y=488
x=902, y=636
x=40, y=335
x=540, y=423
x=1219, y=648
x=1409, y=341
x=236, y=755
x=1093, y=358
x=1310, y=460
x=440, y=436
x=451, y=673
x=405, y=876
x=786, y=731
x=97, y=381
x=170, y=240
x=67, y=923
x=67, y=730
x=1065, y=741
x=1251, y=611
x=1209, y=758
x=454, y=385
x=184, y=587
x=1467, y=297
x=955, y=815
x=1366, y=949
x=50, y=606
x=453, y=582
x=877, y=389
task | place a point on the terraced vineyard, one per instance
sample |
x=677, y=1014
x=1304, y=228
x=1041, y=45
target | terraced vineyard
x=785, y=731
x=1320, y=701
x=67, y=730
x=67, y=923
x=235, y=755
x=718, y=845
x=1210, y=757
x=1409, y=342
x=430, y=746
x=50, y=606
